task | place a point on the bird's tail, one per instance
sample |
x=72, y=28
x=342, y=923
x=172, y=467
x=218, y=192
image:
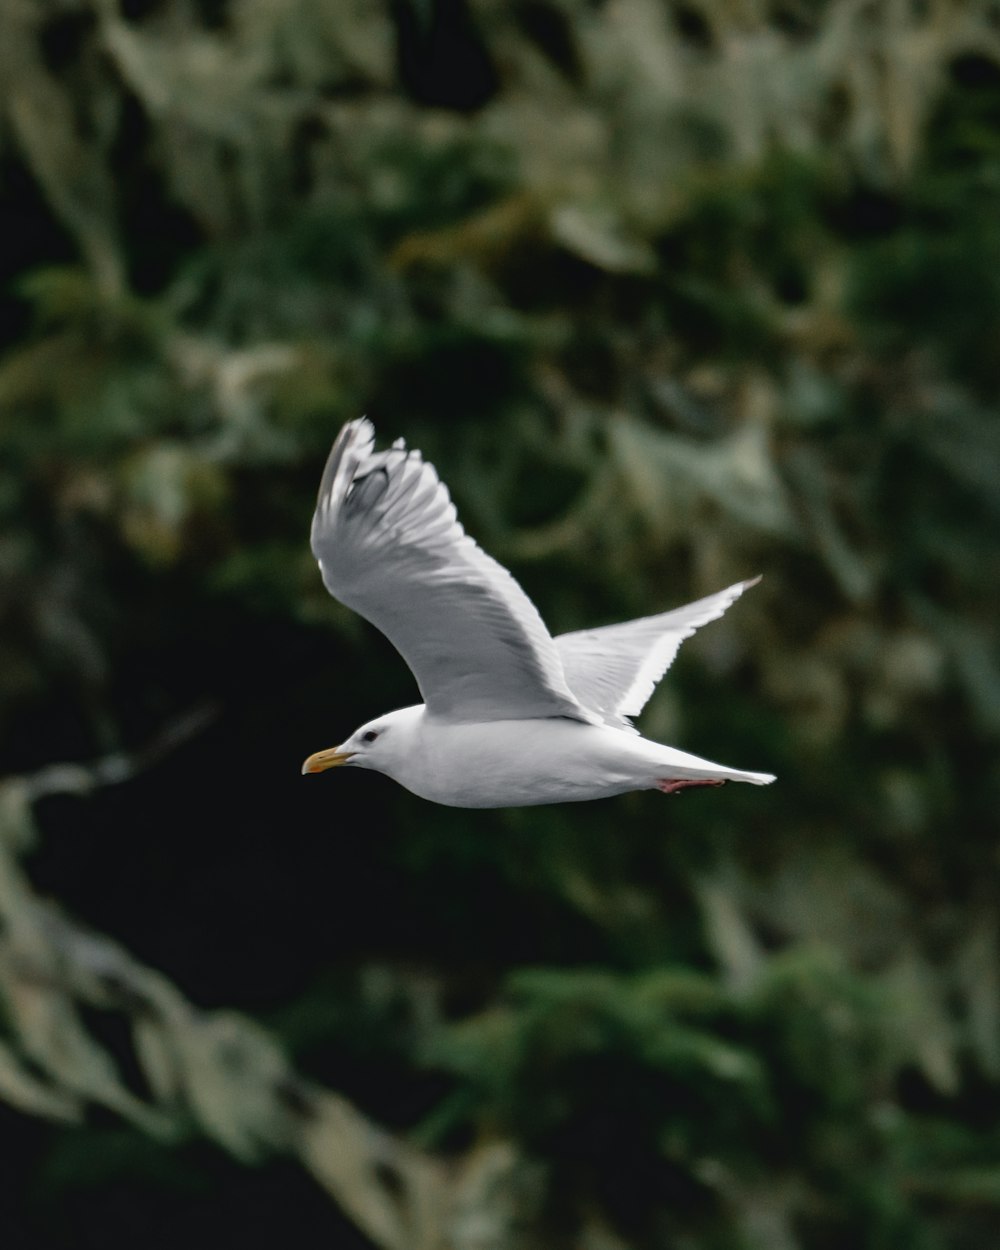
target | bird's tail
x=674, y=765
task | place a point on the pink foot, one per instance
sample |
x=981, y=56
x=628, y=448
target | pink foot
x=675, y=787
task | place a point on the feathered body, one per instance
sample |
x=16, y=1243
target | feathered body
x=522, y=763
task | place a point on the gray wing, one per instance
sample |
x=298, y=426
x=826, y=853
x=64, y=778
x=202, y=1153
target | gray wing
x=390, y=546
x=615, y=669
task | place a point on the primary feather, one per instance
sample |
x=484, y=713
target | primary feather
x=614, y=669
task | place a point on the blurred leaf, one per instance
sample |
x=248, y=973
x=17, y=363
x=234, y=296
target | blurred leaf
x=24, y=1091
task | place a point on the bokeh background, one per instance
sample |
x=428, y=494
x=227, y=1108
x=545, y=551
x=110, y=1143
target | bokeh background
x=672, y=293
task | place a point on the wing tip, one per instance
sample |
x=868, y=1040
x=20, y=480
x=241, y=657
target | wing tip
x=354, y=436
x=352, y=431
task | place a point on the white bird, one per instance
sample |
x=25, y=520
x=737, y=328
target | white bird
x=511, y=716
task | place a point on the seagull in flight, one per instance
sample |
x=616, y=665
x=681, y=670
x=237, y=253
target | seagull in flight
x=511, y=716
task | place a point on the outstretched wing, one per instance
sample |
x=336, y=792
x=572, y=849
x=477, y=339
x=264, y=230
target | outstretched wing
x=390, y=546
x=615, y=669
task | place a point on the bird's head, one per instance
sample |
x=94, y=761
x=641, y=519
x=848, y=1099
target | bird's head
x=379, y=744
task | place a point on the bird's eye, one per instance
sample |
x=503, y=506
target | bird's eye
x=370, y=736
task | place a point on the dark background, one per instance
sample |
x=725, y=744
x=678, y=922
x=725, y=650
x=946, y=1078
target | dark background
x=671, y=294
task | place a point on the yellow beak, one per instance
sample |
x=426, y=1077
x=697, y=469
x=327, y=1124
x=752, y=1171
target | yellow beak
x=332, y=757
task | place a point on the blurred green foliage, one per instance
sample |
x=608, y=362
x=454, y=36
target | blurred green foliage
x=671, y=294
